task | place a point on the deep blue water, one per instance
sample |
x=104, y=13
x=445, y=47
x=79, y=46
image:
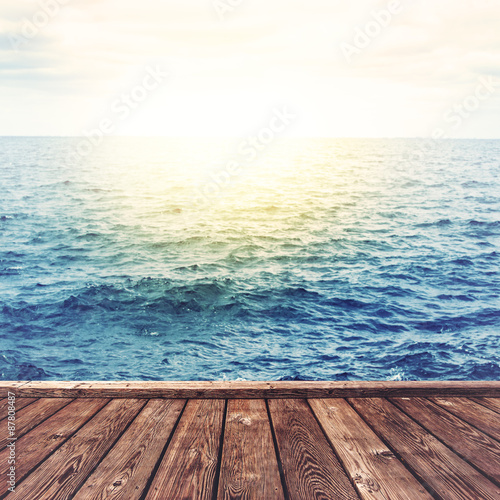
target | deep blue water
x=323, y=259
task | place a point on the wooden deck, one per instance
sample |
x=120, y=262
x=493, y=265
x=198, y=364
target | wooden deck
x=252, y=440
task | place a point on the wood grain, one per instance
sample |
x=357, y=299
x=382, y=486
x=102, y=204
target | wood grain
x=253, y=390
x=475, y=414
x=444, y=472
x=491, y=403
x=473, y=445
x=310, y=466
x=33, y=448
x=12, y=386
x=125, y=471
x=249, y=467
x=66, y=469
x=18, y=405
x=189, y=466
x=33, y=414
x=373, y=468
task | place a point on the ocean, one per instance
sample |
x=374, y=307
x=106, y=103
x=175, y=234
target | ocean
x=298, y=259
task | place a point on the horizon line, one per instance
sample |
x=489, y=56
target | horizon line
x=430, y=138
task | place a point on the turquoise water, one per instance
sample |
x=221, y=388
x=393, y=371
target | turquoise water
x=320, y=259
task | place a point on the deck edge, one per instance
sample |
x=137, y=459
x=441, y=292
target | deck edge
x=249, y=389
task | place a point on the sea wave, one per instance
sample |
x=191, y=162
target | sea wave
x=362, y=267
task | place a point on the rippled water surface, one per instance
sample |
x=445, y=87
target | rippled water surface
x=321, y=259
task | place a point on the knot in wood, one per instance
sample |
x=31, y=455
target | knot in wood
x=384, y=453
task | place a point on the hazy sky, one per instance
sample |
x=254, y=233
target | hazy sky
x=342, y=68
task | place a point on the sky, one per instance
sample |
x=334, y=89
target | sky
x=364, y=68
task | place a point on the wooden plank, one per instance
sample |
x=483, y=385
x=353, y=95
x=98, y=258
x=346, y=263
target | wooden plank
x=33, y=448
x=256, y=390
x=11, y=385
x=67, y=468
x=492, y=403
x=33, y=414
x=444, y=472
x=473, y=445
x=475, y=414
x=125, y=471
x=249, y=467
x=189, y=466
x=19, y=404
x=374, y=470
x=23, y=402
x=310, y=466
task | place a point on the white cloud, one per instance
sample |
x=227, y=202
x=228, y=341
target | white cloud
x=229, y=73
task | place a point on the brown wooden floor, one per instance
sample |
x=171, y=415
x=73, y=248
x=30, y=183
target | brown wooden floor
x=401, y=447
